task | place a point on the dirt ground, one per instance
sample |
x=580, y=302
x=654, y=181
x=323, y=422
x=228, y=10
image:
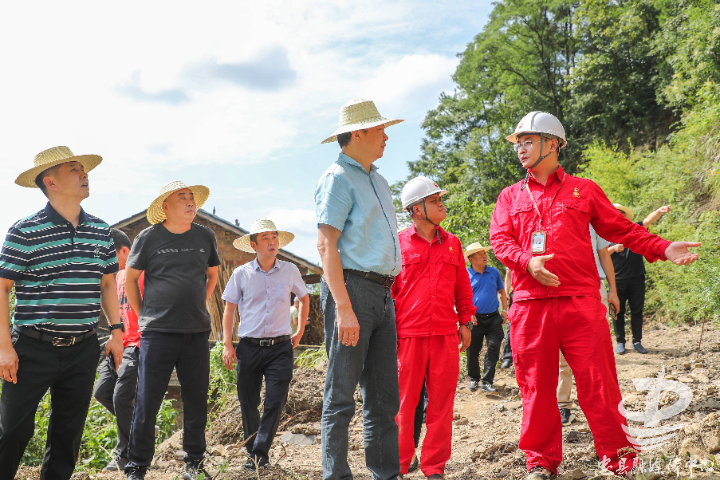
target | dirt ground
x=486, y=428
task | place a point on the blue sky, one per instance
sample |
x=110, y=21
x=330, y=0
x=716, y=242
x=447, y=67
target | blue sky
x=233, y=95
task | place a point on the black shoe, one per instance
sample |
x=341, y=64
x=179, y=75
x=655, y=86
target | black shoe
x=473, y=385
x=639, y=348
x=415, y=464
x=250, y=464
x=117, y=464
x=194, y=470
x=566, y=416
x=538, y=473
x=487, y=387
x=620, y=348
x=136, y=473
x=506, y=364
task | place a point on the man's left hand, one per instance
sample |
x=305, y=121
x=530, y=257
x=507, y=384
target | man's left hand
x=115, y=346
x=295, y=339
x=679, y=254
x=614, y=300
x=465, y=337
x=504, y=317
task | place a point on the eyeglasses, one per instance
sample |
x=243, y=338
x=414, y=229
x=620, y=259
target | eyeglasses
x=527, y=145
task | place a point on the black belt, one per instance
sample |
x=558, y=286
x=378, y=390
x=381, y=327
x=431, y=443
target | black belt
x=268, y=342
x=386, y=282
x=485, y=315
x=54, y=341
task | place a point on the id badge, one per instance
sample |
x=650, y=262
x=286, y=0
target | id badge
x=538, y=241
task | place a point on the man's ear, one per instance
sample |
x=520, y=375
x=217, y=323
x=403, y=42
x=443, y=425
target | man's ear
x=125, y=250
x=49, y=182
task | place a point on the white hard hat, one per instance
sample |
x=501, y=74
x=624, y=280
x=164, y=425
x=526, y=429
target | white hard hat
x=539, y=123
x=417, y=189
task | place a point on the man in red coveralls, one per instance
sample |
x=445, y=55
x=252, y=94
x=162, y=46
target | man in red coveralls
x=539, y=230
x=432, y=285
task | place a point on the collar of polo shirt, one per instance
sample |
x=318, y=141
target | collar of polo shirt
x=58, y=219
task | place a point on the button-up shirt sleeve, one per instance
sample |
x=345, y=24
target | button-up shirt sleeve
x=333, y=201
x=610, y=224
x=233, y=289
x=502, y=236
x=298, y=285
x=463, y=290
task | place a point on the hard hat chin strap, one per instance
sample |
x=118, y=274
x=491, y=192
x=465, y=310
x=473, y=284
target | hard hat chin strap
x=430, y=221
x=542, y=157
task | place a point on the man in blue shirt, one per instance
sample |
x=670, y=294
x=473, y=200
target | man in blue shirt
x=260, y=291
x=486, y=284
x=360, y=251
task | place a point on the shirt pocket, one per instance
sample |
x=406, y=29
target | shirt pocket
x=448, y=267
x=576, y=214
x=281, y=293
x=410, y=259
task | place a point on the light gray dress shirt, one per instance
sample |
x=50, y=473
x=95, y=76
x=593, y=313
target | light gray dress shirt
x=263, y=298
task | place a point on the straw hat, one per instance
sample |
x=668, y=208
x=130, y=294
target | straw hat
x=358, y=114
x=474, y=248
x=260, y=226
x=52, y=157
x=625, y=210
x=155, y=213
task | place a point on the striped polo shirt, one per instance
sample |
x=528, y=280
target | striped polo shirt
x=57, y=271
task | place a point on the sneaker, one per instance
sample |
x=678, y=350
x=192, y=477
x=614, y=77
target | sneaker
x=250, y=464
x=506, y=364
x=195, y=470
x=487, y=387
x=539, y=473
x=566, y=416
x=136, y=473
x=620, y=348
x=473, y=385
x=639, y=348
x=117, y=464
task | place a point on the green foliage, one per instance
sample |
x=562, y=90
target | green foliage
x=312, y=357
x=222, y=383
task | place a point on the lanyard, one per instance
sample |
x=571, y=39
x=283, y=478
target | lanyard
x=537, y=210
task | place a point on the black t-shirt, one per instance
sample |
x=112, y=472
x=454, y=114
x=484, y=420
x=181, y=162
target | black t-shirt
x=175, y=268
x=628, y=264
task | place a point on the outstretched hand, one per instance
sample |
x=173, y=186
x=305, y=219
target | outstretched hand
x=678, y=253
x=536, y=268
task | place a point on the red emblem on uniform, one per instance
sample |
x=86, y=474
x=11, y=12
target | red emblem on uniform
x=576, y=193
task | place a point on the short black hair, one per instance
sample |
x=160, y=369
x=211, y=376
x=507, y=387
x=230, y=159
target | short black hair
x=344, y=138
x=120, y=239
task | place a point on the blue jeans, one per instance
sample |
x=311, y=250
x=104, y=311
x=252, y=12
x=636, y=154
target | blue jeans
x=372, y=363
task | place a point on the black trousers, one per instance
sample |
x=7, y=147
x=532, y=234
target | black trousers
x=490, y=328
x=633, y=291
x=69, y=373
x=420, y=414
x=254, y=362
x=507, y=349
x=189, y=354
x=116, y=392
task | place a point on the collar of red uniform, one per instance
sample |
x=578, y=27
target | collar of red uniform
x=412, y=231
x=556, y=176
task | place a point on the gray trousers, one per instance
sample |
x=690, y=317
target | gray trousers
x=373, y=364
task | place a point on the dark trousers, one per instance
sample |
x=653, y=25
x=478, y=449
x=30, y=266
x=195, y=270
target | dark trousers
x=116, y=392
x=631, y=290
x=420, y=414
x=69, y=373
x=275, y=363
x=507, y=349
x=189, y=354
x=490, y=328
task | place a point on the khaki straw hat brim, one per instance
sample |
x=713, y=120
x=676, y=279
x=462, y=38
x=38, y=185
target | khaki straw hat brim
x=625, y=210
x=27, y=178
x=243, y=243
x=360, y=126
x=155, y=213
x=474, y=248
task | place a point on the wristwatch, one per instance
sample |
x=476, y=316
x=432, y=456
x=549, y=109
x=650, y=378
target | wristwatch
x=120, y=325
x=469, y=325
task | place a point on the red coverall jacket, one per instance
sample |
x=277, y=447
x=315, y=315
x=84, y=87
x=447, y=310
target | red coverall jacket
x=579, y=202
x=433, y=283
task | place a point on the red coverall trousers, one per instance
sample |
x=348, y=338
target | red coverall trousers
x=436, y=357
x=577, y=326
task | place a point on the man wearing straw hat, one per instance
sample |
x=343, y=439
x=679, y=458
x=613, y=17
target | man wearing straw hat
x=434, y=313
x=539, y=229
x=260, y=290
x=630, y=280
x=360, y=251
x=61, y=262
x=486, y=284
x=180, y=261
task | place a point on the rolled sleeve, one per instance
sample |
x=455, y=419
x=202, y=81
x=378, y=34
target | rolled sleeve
x=333, y=201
